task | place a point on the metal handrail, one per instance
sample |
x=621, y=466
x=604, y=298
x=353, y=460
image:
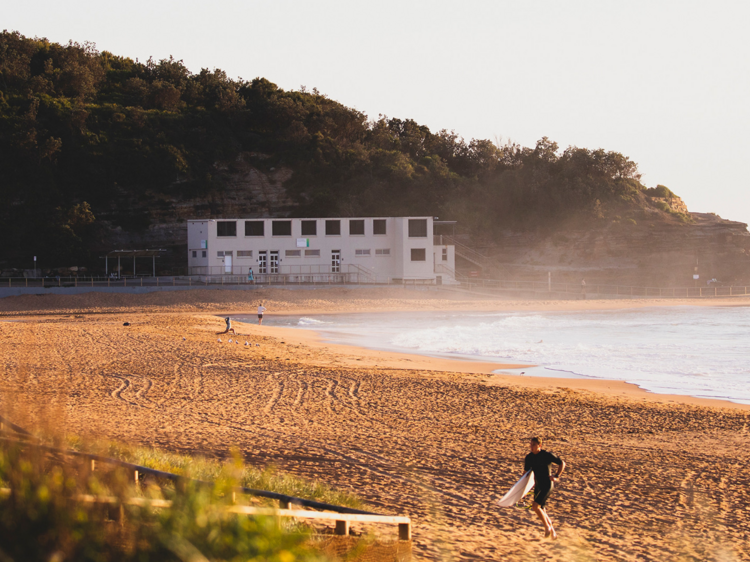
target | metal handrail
x=604, y=289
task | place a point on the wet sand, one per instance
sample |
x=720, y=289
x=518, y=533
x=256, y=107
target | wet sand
x=650, y=477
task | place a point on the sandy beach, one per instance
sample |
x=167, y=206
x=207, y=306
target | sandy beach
x=650, y=477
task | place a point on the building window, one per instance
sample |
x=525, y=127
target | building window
x=195, y=253
x=333, y=228
x=357, y=227
x=281, y=228
x=445, y=254
x=378, y=226
x=203, y=254
x=220, y=254
x=226, y=228
x=417, y=228
x=309, y=228
x=312, y=253
x=244, y=253
x=361, y=252
x=383, y=252
x=418, y=254
x=254, y=228
x=293, y=253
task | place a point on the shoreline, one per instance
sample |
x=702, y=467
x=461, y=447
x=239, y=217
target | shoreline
x=356, y=356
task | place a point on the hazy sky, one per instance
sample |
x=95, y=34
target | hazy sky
x=665, y=83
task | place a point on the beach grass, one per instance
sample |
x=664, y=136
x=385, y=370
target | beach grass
x=43, y=518
x=214, y=470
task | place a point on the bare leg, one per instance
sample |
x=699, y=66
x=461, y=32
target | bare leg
x=549, y=530
x=539, y=510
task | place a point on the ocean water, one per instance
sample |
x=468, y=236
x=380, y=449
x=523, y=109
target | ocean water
x=695, y=351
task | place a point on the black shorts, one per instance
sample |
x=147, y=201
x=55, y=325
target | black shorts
x=542, y=492
x=260, y=316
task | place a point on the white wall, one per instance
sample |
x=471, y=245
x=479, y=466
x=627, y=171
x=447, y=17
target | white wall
x=397, y=264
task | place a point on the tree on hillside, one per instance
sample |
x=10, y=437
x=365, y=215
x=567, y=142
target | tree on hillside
x=79, y=125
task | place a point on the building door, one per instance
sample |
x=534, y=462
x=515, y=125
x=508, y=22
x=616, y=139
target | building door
x=335, y=261
x=274, y=262
x=228, y=262
x=262, y=262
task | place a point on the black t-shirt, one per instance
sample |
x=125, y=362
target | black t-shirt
x=539, y=464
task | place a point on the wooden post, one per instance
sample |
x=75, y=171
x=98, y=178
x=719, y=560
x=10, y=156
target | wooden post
x=27, y=281
x=141, y=281
x=93, y=465
x=342, y=528
x=404, y=531
x=284, y=504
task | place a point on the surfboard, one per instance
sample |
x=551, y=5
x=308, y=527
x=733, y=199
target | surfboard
x=518, y=491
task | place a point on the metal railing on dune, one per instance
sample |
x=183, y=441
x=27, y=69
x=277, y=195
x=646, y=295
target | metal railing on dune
x=596, y=289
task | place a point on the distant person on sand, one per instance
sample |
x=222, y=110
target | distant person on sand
x=583, y=286
x=539, y=461
x=261, y=310
x=229, y=326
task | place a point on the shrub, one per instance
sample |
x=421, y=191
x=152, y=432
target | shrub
x=41, y=520
x=659, y=191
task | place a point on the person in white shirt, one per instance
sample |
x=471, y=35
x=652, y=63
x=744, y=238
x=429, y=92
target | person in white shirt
x=261, y=310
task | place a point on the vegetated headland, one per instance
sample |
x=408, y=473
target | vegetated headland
x=101, y=152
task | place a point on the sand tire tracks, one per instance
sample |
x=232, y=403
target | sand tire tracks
x=276, y=395
x=124, y=385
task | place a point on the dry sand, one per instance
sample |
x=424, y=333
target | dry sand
x=649, y=477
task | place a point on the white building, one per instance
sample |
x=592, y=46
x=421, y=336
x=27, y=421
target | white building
x=364, y=250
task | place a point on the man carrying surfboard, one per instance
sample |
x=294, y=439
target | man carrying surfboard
x=538, y=462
